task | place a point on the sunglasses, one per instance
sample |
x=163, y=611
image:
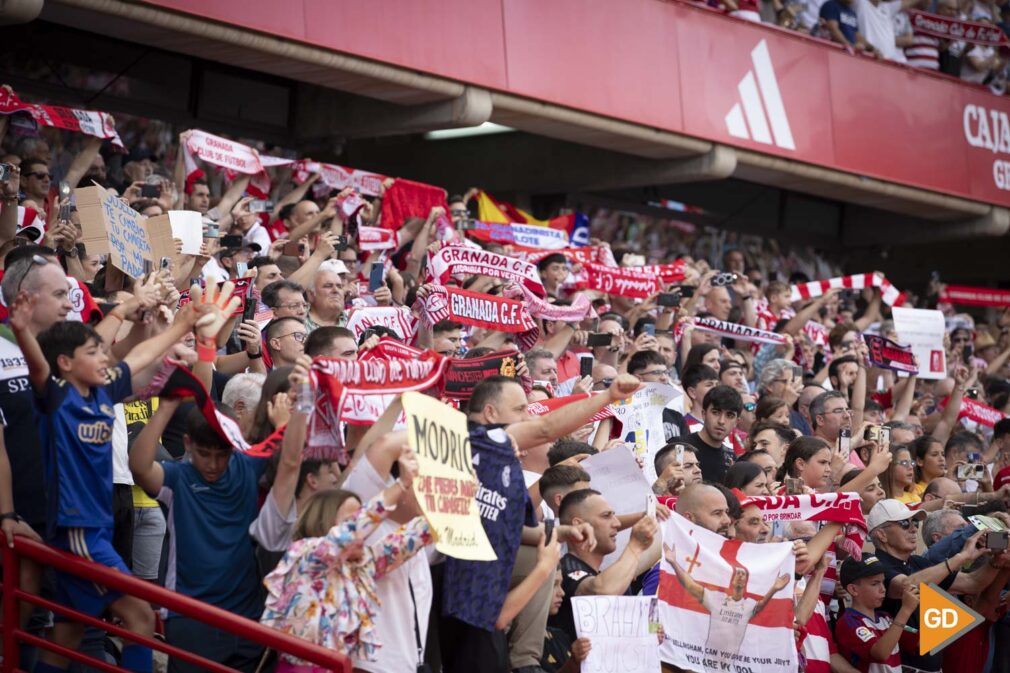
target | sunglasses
x=37, y=260
x=907, y=523
x=39, y=175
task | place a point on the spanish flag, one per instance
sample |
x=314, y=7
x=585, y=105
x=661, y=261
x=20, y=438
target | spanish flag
x=490, y=210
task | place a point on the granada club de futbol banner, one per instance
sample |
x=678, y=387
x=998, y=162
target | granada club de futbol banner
x=456, y=260
x=725, y=605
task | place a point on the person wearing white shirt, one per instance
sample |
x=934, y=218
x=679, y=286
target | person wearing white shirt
x=876, y=25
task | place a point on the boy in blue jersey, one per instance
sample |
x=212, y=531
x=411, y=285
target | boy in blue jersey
x=75, y=390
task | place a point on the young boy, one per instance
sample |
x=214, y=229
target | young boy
x=866, y=636
x=75, y=390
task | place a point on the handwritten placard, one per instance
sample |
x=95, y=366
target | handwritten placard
x=622, y=630
x=111, y=226
x=446, y=485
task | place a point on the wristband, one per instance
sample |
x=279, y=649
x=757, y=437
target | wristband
x=206, y=351
x=254, y=356
x=10, y=515
x=946, y=562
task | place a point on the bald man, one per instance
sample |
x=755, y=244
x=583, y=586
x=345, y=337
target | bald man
x=706, y=506
x=580, y=569
x=718, y=303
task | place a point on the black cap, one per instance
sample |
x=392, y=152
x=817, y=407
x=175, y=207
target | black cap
x=230, y=252
x=853, y=570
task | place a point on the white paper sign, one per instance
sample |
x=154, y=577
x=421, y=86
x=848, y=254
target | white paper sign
x=616, y=475
x=619, y=629
x=187, y=226
x=641, y=417
x=923, y=330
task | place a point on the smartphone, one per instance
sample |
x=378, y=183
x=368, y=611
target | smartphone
x=678, y=453
x=149, y=191
x=585, y=365
x=971, y=393
x=467, y=225
x=377, y=277
x=686, y=291
x=148, y=267
x=723, y=278
x=261, y=206
x=548, y=530
x=971, y=471
x=231, y=241
x=872, y=433
x=5, y=171
x=213, y=230
x=241, y=268
x=885, y=438
x=794, y=486
x=844, y=441
x=597, y=339
x=671, y=299
x=249, y=310
x=293, y=249
x=967, y=353
x=341, y=242
x=166, y=263
x=996, y=540
x=649, y=328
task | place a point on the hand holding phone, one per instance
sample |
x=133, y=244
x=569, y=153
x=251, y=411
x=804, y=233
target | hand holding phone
x=585, y=365
x=599, y=339
x=377, y=277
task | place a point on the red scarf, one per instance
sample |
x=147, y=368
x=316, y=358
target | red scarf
x=547, y=406
x=457, y=260
x=976, y=411
x=621, y=281
x=843, y=508
x=732, y=330
x=948, y=28
x=406, y=198
x=975, y=296
x=88, y=122
x=479, y=310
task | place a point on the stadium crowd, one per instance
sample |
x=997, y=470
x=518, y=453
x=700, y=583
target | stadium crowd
x=171, y=439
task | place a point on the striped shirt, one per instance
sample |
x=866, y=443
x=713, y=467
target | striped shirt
x=924, y=52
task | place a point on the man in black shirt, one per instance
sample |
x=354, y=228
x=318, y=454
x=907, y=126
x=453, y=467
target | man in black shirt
x=580, y=569
x=721, y=408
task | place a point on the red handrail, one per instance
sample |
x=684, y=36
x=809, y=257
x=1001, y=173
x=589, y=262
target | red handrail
x=44, y=555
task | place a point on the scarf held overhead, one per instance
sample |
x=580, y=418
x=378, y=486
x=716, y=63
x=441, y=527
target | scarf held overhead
x=456, y=260
x=88, y=122
x=479, y=310
x=890, y=294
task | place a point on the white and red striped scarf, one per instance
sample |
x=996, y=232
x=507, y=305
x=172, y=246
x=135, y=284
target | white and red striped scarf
x=843, y=508
x=397, y=318
x=88, y=122
x=890, y=294
x=479, y=310
x=456, y=260
x=733, y=330
x=377, y=238
x=976, y=411
x=339, y=177
x=539, y=308
x=547, y=406
x=590, y=254
x=668, y=273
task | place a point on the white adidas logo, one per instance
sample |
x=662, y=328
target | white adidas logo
x=752, y=110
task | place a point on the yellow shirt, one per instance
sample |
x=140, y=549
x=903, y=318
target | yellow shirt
x=140, y=412
x=908, y=497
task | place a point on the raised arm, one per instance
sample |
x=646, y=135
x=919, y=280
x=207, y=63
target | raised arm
x=686, y=581
x=9, y=207
x=20, y=317
x=779, y=584
x=570, y=417
x=616, y=579
x=82, y=162
x=148, y=473
x=290, y=463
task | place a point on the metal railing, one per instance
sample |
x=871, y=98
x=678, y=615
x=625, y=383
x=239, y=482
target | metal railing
x=14, y=636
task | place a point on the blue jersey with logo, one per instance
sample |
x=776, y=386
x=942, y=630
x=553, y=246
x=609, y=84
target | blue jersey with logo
x=211, y=557
x=76, y=436
x=475, y=590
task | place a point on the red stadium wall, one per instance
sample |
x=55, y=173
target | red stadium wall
x=676, y=67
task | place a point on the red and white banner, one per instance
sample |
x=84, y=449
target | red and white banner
x=817, y=333
x=479, y=310
x=527, y=235
x=890, y=294
x=590, y=254
x=975, y=296
x=554, y=403
x=668, y=273
x=227, y=154
x=88, y=122
x=390, y=348
x=980, y=413
x=841, y=508
x=377, y=238
x=725, y=605
x=339, y=177
x=539, y=308
x=456, y=260
x=732, y=330
x=397, y=318
x=948, y=28
x=621, y=281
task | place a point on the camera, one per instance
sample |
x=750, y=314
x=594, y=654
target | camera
x=723, y=278
x=996, y=540
x=260, y=206
x=974, y=471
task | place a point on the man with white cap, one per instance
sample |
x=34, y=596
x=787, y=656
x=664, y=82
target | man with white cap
x=894, y=529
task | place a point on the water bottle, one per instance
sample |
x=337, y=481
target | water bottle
x=305, y=398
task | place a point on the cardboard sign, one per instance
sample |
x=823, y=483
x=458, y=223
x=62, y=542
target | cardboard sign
x=923, y=329
x=622, y=631
x=111, y=227
x=446, y=485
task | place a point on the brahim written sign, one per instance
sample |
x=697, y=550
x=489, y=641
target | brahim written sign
x=446, y=484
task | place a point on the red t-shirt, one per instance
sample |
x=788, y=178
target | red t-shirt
x=856, y=634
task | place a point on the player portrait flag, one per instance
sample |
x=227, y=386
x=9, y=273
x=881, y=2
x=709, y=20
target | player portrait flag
x=725, y=605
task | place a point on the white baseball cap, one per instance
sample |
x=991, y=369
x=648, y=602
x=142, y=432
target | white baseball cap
x=890, y=510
